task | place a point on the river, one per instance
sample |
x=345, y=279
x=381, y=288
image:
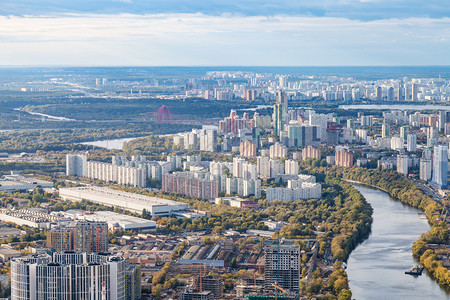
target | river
x=414, y=107
x=114, y=144
x=376, y=268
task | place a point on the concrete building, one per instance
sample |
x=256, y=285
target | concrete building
x=402, y=164
x=11, y=183
x=91, y=237
x=114, y=220
x=344, y=158
x=411, y=143
x=242, y=187
x=76, y=165
x=128, y=201
x=385, y=130
x=237, y=202
x=397, y=143
x=208, y=140
x=191, y=295
x=426, y=165
x=440, y=167
x=60, y=239
x=366, y=121
x=278, y=150
x=282, y=265
x=210, y=283
x=291, y=167
x=132, y=176
x=247, y=149
x=190, y=184
x=69, y=276
x=311, y=152
x=404, y=130
x=263, y=166
x=302, y=135
x=279, y=118
x=306, y=191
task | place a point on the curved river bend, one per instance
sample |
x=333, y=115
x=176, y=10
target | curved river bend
x=376, y=268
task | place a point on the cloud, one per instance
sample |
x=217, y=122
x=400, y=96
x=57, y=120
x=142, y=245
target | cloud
x=229, y=39
x=351, y=9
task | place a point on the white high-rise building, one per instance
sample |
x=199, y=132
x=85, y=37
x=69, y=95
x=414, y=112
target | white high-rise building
x=291, y=167
x=76, y=165
x=397, y=143
x=71, y=276
x=425, y=169
x=411, y=143
x=208, y=140
x=402, y=164
x=263, y=166
x=440, y=166
x=282, y=265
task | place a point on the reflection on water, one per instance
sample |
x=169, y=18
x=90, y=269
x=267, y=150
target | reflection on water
x=376, y=268
x=395, y=107
x=116, y=144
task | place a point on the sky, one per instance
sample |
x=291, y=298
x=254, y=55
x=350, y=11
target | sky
x=224, y=33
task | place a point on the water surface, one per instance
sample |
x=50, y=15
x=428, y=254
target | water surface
x=376, y=268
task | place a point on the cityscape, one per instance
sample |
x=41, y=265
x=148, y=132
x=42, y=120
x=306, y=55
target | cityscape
x=239, y=150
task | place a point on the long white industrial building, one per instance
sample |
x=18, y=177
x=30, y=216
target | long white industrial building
x=129, y=201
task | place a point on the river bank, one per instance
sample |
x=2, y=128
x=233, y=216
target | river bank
x=376, y=267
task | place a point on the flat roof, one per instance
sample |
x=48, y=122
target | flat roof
x=112, y=217
x=121, y=196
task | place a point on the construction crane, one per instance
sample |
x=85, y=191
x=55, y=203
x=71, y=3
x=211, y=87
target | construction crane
x=279, y=288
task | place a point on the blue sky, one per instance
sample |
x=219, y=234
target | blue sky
x=253, y=32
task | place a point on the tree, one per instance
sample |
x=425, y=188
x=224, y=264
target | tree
x=156, y=290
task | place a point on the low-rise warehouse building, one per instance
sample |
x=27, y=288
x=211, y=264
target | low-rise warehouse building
x=114, y=220
x=11, y=183
x=129, y=201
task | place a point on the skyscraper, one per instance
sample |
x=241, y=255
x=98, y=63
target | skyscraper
x=282, y=98
x=91, y=237
x=70, y=276
x=60, y=239
x=440, y=161
x=279, y=118
x=76, y=165
x=404, y=132
x=442, y=120
x=282, y=267
x=385, y=132
x=411, y=143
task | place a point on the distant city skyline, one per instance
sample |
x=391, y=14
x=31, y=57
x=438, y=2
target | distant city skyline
x=247, y=33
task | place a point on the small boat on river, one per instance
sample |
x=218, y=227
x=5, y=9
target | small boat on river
x=416, y=271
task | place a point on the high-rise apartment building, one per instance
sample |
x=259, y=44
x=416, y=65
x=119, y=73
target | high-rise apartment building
x=367, y=121
x=404, y=130
x=91, y=237
x=279, y=118
x=291, y=167
x=402, y=164
x=76, y=165
x=344, y=158
x=440, y=162
x=60, y=239
x=282, y=267
x=71, y=276
x=442, y=120
x=311, y=152
x=411, y=143
x=208, y=140
x=247, y=149
x=302, y=135
x=197, y=185
x=278, y=150
x=385, y=131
